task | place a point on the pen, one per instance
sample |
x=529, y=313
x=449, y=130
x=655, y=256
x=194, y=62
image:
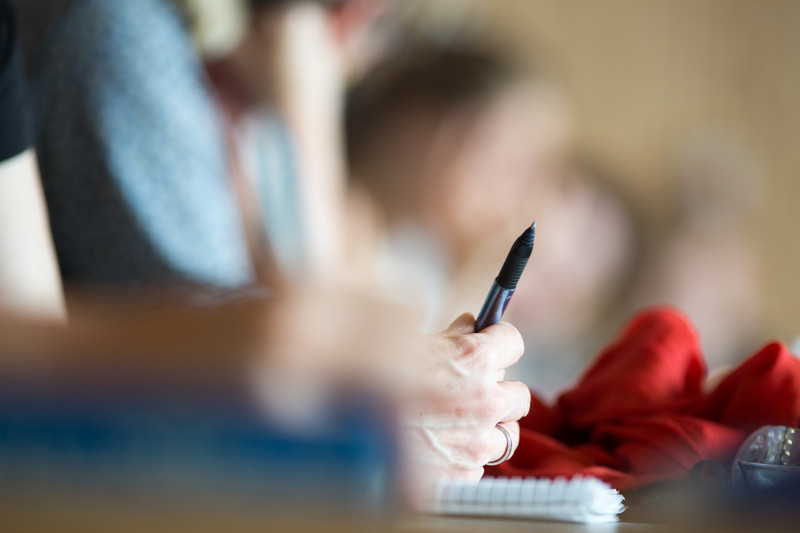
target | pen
x=506, y=281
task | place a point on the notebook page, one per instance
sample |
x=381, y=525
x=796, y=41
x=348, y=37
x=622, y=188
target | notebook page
x=580, y=499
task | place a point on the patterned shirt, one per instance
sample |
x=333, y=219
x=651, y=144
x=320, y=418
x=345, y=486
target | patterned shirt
x=131, y=147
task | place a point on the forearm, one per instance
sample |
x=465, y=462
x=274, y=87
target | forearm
x=175, y=347
x=309, y=95
x=29, y=279
x=315, y=337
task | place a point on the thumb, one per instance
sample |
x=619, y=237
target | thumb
x=462, y=325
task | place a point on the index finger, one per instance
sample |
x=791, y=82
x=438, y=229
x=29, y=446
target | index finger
x=506, y=342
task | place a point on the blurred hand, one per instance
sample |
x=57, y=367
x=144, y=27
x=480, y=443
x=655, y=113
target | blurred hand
x=313, y=343
x=284, y=349
x=307, y=51
x=449, y=388
x=449, y=429
x=297, y=347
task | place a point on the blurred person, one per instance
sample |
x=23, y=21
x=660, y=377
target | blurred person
x=590, y=254
x=457, y=148
x=29, y=280
x=706, y=261
x=451, y=402
x=163, y=166
x=130, y=146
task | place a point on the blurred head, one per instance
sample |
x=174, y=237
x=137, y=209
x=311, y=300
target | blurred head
x=458, y=139
x=587, y=253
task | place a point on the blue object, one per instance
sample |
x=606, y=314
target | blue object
x=197, y=454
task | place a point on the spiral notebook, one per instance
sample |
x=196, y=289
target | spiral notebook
x=580, y=499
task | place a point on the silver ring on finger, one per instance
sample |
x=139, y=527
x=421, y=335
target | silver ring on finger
x=509, y=447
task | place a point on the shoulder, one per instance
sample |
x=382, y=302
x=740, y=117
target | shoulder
x=81, y=33
x=126, y=57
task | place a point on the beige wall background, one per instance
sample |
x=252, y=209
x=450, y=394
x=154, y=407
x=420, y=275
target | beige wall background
x=645, y=75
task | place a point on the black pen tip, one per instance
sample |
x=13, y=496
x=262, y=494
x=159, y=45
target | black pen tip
x=517, y=258
x=528, y=235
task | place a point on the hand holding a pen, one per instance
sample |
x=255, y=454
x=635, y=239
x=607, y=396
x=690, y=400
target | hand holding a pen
x=470, y=415
x=450, y=431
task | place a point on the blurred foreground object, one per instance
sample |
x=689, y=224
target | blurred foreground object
x=101, y=455
x=289, y=360
x=159, y=412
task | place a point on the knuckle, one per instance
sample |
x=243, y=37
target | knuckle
x=466, y=344
x=477, y=351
